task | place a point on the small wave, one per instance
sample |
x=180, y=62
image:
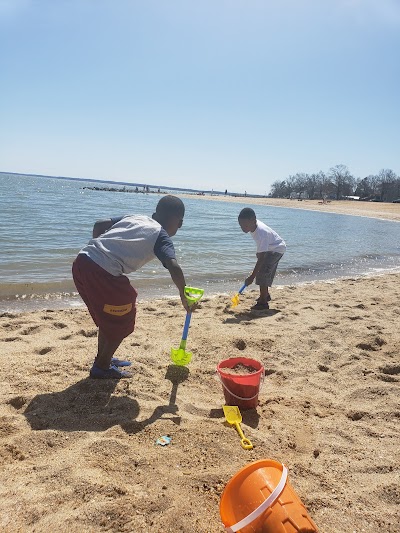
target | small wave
x=36, y=290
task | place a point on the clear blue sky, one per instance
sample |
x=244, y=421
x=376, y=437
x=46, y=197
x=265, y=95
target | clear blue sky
x=209, y=94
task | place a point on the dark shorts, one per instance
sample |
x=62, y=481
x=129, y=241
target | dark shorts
x=266, y=274
x=111, y=300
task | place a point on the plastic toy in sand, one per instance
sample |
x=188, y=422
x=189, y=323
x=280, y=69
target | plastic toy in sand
x=260, y=499
x=180, y=356
x=235, y=299
x=234, y=418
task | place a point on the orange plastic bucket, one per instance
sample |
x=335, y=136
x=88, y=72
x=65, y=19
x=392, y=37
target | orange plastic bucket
x=241, y=389
x=259, y=499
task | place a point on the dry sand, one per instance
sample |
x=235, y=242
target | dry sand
x=79, y=455
x=389, y=211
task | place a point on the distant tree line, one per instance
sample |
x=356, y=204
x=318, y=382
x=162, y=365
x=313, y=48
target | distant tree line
x=339, y=183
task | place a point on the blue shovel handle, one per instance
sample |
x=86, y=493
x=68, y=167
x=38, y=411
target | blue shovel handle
x=186, y=326
x=242, y=288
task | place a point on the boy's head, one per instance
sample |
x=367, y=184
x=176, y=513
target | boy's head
x=169, y=213
x=247, y=220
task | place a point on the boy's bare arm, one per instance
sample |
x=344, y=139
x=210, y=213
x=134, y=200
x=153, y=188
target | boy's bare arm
x=179, y=279
x=261, y=258
x=101, y=226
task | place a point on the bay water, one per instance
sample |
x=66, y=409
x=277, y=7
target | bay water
x=46, y=221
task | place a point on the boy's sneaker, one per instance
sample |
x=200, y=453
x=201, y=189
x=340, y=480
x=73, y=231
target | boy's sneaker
x=119, y=362
x=110, y=373
x=259, y=307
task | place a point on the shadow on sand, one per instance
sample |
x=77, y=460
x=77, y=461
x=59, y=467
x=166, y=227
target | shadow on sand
x=90, y=405
x=246, y=316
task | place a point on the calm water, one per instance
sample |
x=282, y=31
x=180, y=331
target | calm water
x=46, y=221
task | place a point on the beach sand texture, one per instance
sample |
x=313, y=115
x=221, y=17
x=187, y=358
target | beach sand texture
x=79, y=455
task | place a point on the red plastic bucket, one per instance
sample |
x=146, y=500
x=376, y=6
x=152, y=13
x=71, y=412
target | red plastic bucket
x=241, y=389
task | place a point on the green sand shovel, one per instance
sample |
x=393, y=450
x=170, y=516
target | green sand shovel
x=180, y=356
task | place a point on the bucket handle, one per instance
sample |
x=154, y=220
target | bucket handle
x=263, y=507
x=239, y=397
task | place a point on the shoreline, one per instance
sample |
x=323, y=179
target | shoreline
x=379, y=210
x=86, y=448
x=63, y=301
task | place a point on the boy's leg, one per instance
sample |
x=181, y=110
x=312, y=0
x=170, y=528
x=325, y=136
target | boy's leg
x=266, y=275
x=115, y=321
x=106, y=350
x=264, y=295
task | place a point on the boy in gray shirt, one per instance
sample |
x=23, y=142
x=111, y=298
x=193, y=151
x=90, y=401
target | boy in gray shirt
x=120, y=246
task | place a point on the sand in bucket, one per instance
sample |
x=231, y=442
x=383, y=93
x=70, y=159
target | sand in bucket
x=241, y=379
x=260, y=499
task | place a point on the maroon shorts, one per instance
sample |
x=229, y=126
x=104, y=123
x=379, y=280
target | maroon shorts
x=111, y=300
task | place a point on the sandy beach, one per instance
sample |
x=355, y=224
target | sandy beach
x=80, y=455
x=388, y=211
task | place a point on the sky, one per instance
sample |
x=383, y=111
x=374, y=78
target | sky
x=216, y=94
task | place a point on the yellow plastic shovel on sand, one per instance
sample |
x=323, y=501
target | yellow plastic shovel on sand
x=235, y=299
x=234, y=417
x=180, y=356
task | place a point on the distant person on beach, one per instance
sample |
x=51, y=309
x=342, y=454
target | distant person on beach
x=120, y=246
x=270, y=249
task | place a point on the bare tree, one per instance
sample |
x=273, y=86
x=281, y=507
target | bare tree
x=343, y=181
x=339, y=182
x=387, y=182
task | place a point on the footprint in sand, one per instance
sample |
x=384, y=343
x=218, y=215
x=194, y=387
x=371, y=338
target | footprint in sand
x=240, y=344
x=392, y=370
x=391, y=494
x=356, y=415
x=31, y=329
x=88, y=333
x=149, y=308
x=387, y=378
x=360, y=306
x=10, y=339
x=283, y=318
x=12, y=452
x=17, y=402
x=43, y=351
x=373, y=345
x=60, y=325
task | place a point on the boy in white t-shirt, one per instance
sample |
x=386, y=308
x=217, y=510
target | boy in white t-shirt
x=270, y=249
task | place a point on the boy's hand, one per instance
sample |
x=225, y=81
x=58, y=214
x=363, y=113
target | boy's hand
x=185, y=303
x=248, y=281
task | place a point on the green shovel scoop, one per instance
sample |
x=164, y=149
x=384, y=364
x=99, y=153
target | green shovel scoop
x=180, y=356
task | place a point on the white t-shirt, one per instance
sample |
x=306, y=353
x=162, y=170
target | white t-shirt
x=267, y=240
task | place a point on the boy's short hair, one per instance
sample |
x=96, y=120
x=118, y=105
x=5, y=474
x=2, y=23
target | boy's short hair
x=247, y=214
x=170, y=205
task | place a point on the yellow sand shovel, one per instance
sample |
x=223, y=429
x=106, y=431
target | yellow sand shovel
x=233, y=417
x=235, y=299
